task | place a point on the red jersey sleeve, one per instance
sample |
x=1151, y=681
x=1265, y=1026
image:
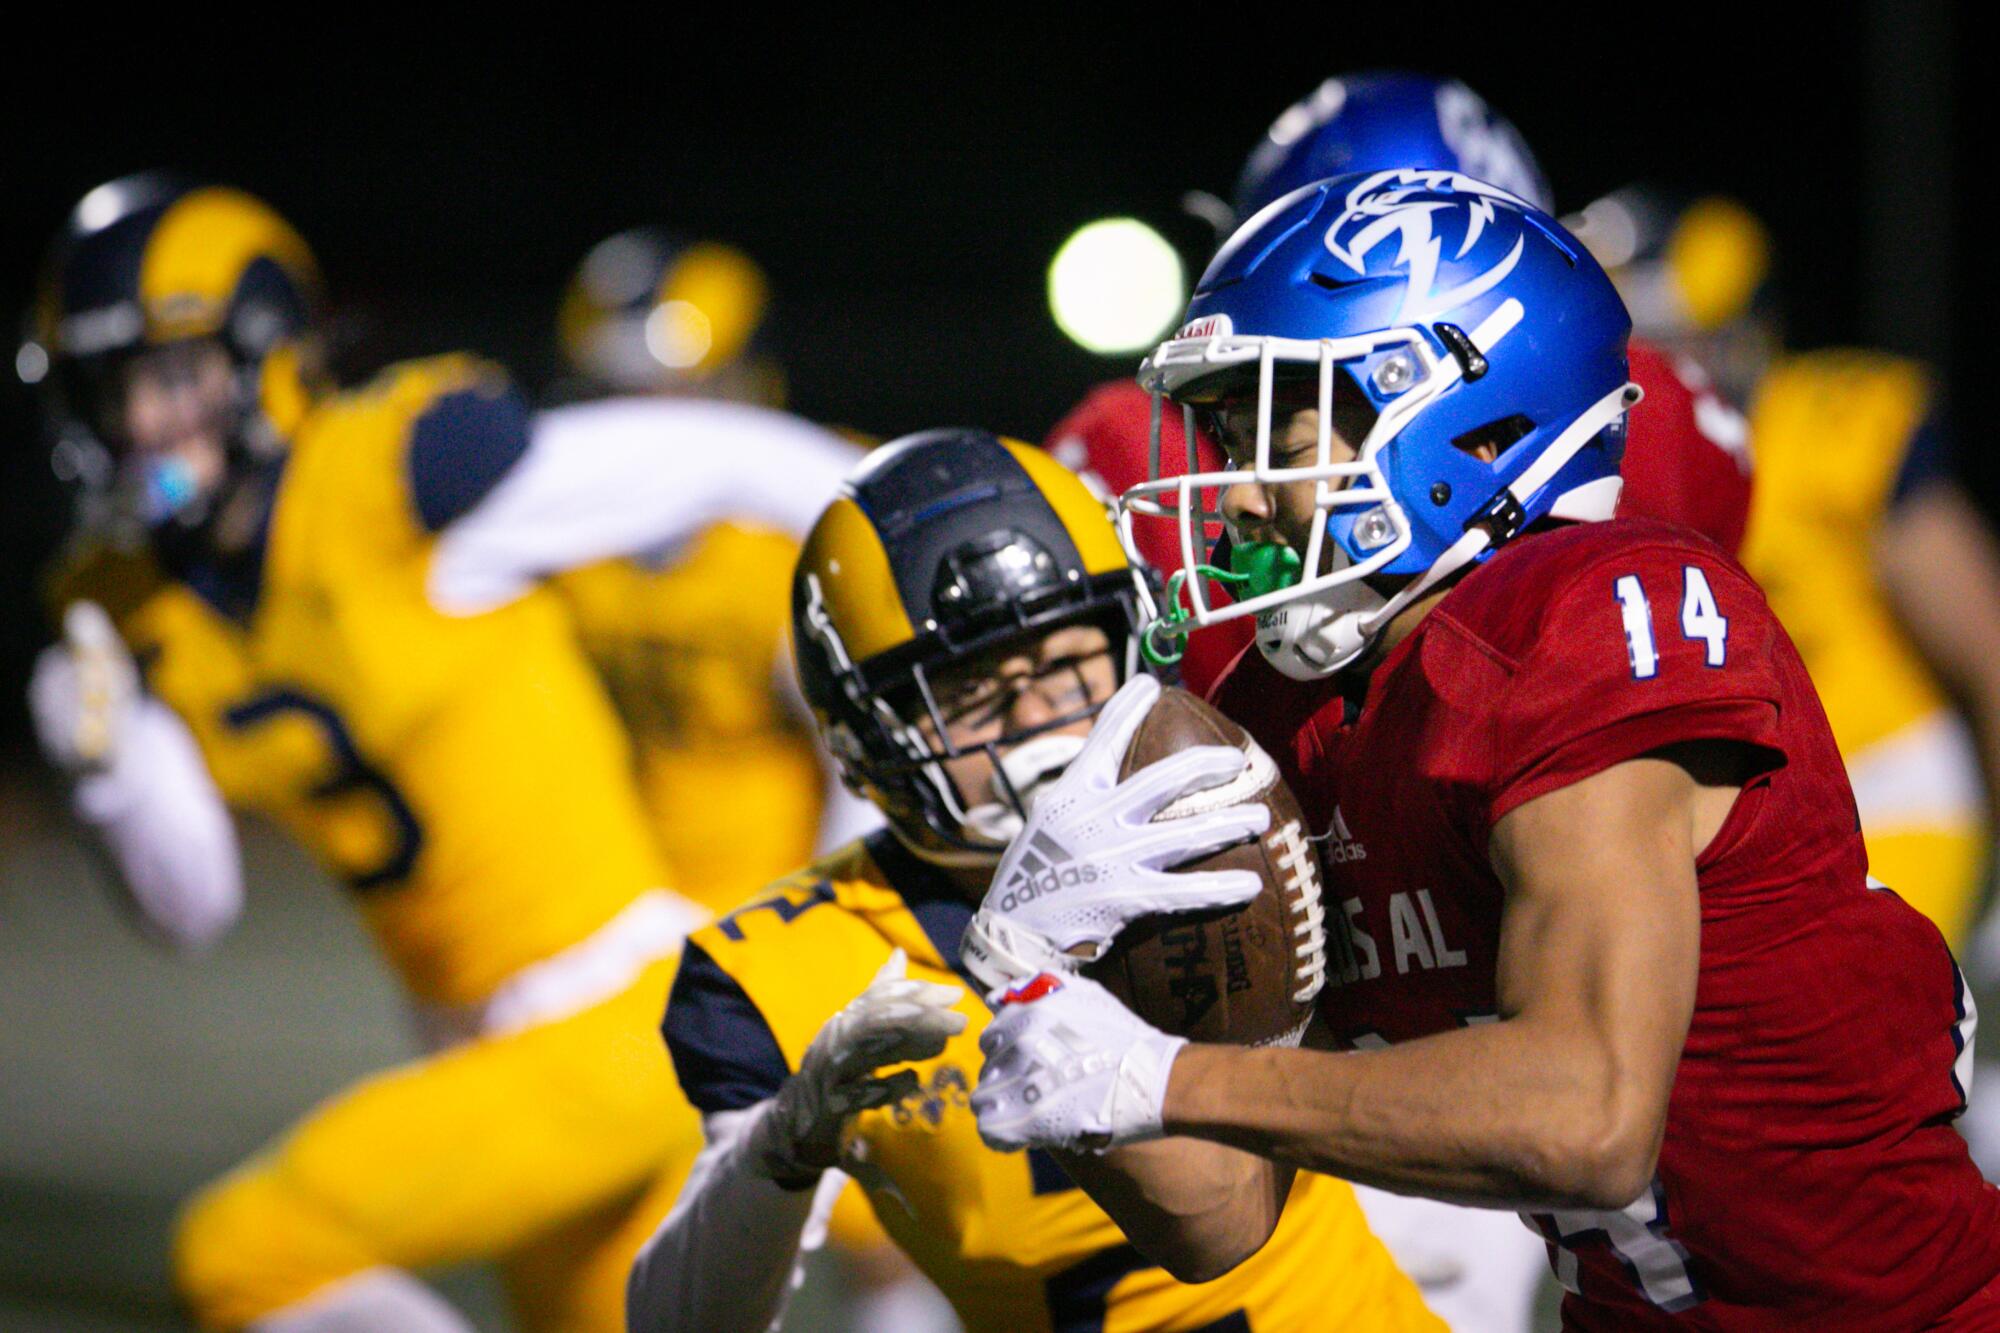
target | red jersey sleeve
x=1652, y=645
x=1687, y=458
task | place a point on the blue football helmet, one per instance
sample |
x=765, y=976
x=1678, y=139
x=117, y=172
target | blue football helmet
x=1371, y=122
x=1464, y=322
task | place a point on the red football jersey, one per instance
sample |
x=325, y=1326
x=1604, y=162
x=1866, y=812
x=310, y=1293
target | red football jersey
x=1687, y=455
x=1809, y=1174
x=1105, y=437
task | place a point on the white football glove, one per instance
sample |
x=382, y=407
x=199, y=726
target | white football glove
x=1067, y=1066
x=1089, y=862
x=894, y=1020
x=82, y=691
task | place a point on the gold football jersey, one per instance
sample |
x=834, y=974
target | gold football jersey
x=465, y=775
x=689, y=644
x=1832, y=432
x=1007, y=1237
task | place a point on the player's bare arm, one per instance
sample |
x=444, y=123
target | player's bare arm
x=1939, y=564
x=1196, y=1208
x=1562, y=1102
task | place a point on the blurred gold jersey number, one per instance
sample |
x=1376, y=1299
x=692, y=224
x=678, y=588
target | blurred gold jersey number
x=689, y=645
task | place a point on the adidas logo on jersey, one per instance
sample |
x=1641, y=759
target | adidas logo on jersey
x=1044, y=868
x=1338, y=843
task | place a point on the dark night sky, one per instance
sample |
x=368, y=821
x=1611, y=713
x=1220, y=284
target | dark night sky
x=904, y=185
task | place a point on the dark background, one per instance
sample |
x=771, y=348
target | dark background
x=906, y=185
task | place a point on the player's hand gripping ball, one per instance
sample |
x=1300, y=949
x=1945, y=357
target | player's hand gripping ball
x=1170, y=864
x=1068, y=1066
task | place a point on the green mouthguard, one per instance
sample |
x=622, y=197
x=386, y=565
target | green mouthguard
x=1255, y=567
x=1264, y=567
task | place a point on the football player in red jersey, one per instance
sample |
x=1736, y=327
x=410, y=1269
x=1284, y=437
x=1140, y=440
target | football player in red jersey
x=1611, y=953
x=1685, y=455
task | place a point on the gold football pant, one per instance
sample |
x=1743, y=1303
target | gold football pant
x=1936, y=870
x=1923, y=817
x=554, y=1150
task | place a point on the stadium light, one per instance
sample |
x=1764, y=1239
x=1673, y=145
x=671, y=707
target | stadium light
x=1116, y=286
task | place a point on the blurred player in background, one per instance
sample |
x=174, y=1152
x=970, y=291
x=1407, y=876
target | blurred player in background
x=689, y=637
x=331, y=608
x=1879, y=564
x=959, y=614
x=1684, y=460
x=652, y=312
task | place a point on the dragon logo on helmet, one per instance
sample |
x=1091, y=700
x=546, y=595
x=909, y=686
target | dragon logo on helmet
x=1413, y=207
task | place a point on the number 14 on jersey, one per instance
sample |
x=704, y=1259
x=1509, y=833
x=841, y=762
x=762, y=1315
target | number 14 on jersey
x=1700, y=620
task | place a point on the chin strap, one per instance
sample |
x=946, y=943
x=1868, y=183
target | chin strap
x=1500, y=519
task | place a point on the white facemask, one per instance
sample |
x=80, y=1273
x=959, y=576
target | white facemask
x=1031, y=767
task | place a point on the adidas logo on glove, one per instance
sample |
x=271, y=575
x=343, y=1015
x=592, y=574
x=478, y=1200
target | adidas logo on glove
x=1046, y=867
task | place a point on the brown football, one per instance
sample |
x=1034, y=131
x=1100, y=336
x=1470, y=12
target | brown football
x=1247, y=976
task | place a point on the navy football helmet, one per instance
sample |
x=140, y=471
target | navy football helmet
x=146, y=262
x=942, y=546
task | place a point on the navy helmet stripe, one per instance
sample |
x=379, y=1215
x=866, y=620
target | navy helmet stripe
x=926, y=508
x=101, y=269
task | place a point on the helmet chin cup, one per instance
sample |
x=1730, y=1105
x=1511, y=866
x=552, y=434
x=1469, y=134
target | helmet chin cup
x=1026, y=771
x=1314, y=636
